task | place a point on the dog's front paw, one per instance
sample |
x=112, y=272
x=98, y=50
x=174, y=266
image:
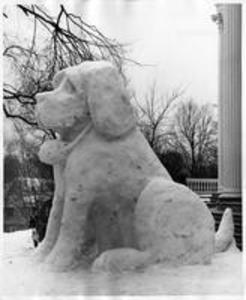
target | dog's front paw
x=120, y=260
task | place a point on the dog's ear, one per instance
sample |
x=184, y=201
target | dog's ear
x=108, y=101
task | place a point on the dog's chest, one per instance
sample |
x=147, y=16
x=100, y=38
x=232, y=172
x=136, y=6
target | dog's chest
x=104, y=164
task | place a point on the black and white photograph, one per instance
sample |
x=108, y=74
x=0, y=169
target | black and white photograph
x=122, y=148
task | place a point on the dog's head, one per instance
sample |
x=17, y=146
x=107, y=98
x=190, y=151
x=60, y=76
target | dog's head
x=91, y=90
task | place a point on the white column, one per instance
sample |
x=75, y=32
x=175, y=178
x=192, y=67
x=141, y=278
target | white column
x=230, y=27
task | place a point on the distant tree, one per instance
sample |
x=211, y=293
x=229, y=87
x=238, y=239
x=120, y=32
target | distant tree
x=194, y=135
x=26, y=189
x=11, y=168
x=175, y=165
x=154, y=116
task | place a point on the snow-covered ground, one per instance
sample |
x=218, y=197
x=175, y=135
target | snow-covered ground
x=20, y=276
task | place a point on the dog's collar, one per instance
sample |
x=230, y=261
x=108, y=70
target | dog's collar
x=56, y=151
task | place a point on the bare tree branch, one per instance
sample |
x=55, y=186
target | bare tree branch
x=17, y=116
x=154, y=114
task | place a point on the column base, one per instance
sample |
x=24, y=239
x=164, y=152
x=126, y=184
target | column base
x=232, y=200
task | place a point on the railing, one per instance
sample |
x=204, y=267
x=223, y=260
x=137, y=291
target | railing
x=203, y=186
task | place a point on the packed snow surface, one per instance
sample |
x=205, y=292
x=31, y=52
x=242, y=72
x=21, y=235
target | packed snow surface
x=20, y=276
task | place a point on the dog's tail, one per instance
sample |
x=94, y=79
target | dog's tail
x=224, y=237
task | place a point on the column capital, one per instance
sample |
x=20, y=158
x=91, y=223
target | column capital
x=218, y=19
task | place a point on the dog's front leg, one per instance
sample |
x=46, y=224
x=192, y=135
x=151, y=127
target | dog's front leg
x=56, y=213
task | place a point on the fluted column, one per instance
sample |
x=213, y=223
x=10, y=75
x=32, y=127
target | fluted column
x=229, y=22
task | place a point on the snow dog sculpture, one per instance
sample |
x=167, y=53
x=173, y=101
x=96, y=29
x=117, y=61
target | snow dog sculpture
x=115, y=206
